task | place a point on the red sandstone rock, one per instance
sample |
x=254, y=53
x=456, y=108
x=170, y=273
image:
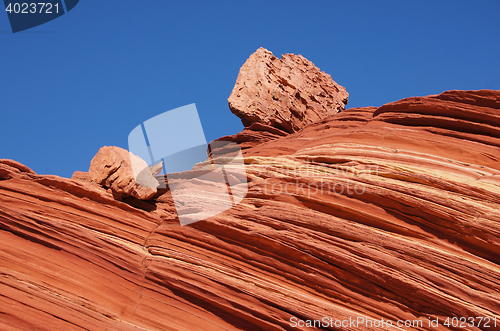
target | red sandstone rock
x=81, y=176
x=124, y=173
x=287, y=93
x=255, y=134
x=390, y=212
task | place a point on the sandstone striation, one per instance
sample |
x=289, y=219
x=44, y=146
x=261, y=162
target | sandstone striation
x=255, y=134
x=287, y=93
x=386, y=213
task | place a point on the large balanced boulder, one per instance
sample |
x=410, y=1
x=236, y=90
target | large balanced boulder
x=287, y=93
x=123, y=172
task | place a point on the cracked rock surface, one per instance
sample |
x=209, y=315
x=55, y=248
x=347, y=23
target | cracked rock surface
x=287, y=93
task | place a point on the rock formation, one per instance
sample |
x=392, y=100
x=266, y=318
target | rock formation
x=372, y=213
x=124, y=173
x=287, y=93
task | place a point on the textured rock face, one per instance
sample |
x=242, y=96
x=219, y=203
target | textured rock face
x=287, y=93
x=255, y=134
x=390, y=212
x=123, y=172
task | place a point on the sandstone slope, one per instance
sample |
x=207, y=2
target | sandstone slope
x=389, y=212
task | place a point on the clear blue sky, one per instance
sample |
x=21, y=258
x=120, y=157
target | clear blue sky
x=86, y=79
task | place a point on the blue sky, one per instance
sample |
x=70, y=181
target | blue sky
x=86, y=79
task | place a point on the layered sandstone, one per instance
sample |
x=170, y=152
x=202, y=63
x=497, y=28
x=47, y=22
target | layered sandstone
x=390, y=212
x=287, y=93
